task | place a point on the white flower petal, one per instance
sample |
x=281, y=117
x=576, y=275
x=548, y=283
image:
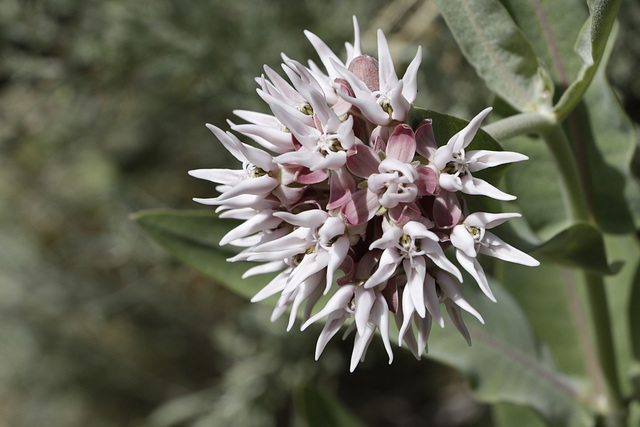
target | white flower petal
x=452, y=290
x=475, y=186
x=229, y=177
x=364, y=299
x=458, y=321
x=482, y=159
x=410, y=78
x=450, y=182
x=380, y=315
x=431, y=300
x=386, y=268
x=489, y=220
x=474, y=268
x=496, y=247
x=424, y=327
x=339, y=301
x=416, y=270
x=305, y=291
x=276, y=285
x=388, y=239
x=463, y=240
x=337, y=255
x=261, y=221
x=333, y=325
x=388, y=77
x=269, y=267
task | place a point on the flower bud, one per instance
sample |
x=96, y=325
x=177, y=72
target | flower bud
x=366, y=69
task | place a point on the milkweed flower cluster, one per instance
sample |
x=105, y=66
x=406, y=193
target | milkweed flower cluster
x=346, y=199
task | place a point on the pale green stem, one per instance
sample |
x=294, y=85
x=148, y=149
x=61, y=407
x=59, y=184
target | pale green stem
x=519, y=124
x=560, y=148
x=565, y=158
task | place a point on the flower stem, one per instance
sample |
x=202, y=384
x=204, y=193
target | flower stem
x=519, y=124
x=614, y=411
x=560, y=149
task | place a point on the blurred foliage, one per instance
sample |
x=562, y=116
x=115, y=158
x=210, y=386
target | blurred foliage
x=102, y=112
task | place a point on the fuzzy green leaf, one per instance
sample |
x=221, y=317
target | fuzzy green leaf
x=501, y=54
x=318, y=408
x=604, y=140
x=507, y=364
x=506, y=415
x=590, y=47
x=581, y=246
x=192, y=237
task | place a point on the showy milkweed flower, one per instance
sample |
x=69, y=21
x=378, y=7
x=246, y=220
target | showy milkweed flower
x=344, y=198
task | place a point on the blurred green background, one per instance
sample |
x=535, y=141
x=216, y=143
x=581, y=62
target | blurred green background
x=102, y=112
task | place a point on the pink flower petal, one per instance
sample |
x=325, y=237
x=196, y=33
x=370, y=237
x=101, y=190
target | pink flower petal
x=402, y=214
x=361, y=208
x=402, y=144
x=362, y=161
x=446, y=210
x=305, y=176
x=341, y=188
x=390, y=294
x=427, y=181
x=426, y=144
x=348, y=266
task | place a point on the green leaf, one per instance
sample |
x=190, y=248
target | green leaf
x=634, y=313
x=590, y=47
x=605, y=142
x=506, y=415
x=501, y=54
x=553, y=298
x=192, y=237
x=507, y=364
x=551, y=27
x=549, y=297
x=318, y=408
x=570, y=39
x=622, y=291
x=581, y=246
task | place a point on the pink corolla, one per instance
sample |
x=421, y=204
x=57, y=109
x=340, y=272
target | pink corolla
x=394, y=180
x=346, y=199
